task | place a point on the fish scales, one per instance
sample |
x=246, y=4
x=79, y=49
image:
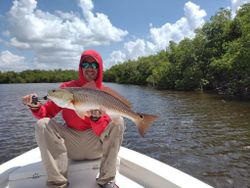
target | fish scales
x=99, y=98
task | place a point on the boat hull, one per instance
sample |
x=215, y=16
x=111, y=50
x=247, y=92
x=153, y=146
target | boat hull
x=136, y=170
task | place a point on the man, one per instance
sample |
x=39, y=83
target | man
x=94, y=136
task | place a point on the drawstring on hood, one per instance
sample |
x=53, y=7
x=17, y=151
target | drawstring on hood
x=98, y=58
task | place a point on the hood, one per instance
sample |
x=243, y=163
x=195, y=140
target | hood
x=98, y=59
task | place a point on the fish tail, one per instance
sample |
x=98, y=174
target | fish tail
x=144, y=122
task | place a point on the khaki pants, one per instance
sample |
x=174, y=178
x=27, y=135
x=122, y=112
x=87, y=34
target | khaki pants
x=57, y=143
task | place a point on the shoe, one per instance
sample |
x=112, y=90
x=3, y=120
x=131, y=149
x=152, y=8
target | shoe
x=110, y=184
x=54, y=184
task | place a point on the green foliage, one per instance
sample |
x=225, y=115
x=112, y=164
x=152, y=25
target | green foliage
x=134, y=72
x=38, y=76
x=231, y=71
x=162, y=76
x=217, y=58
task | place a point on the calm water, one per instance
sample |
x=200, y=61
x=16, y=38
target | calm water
x=201, y=134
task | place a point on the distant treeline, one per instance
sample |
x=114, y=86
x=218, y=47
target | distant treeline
x=217, y=58
x=38, y=76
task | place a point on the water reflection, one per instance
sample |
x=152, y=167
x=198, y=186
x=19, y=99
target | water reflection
x=201, y=134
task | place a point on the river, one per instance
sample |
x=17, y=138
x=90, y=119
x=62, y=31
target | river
x=202, y=134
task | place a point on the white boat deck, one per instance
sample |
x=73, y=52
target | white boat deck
x=136, y=171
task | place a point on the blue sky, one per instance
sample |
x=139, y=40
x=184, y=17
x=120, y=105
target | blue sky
x=49, y=34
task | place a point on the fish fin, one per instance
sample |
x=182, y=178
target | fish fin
x=145, y=122
x=91, y=85
x=70, y=106
x=81, y=114
x=116, y=95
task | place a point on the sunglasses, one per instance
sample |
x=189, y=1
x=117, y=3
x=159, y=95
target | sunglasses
x=93, y=65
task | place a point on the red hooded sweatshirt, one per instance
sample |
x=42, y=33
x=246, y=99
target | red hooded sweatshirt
x=50, y=109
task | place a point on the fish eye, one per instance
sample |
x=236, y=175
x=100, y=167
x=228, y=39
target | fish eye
x=53, y=90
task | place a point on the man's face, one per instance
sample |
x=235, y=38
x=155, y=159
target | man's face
x=89, y=69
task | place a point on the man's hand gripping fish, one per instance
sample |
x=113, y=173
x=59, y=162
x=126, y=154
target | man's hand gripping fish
x=83, y=99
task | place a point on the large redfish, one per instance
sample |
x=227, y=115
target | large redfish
x=83, y=99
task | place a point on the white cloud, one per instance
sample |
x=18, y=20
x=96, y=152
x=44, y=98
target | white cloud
x=10, y=61
x=184, y=27
x=21, y=45
x=160, y=37
x=57, y=39
x=194, y=15
x=115, y=57
x=135, y=49
x=235, y=5
x=131, y=50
